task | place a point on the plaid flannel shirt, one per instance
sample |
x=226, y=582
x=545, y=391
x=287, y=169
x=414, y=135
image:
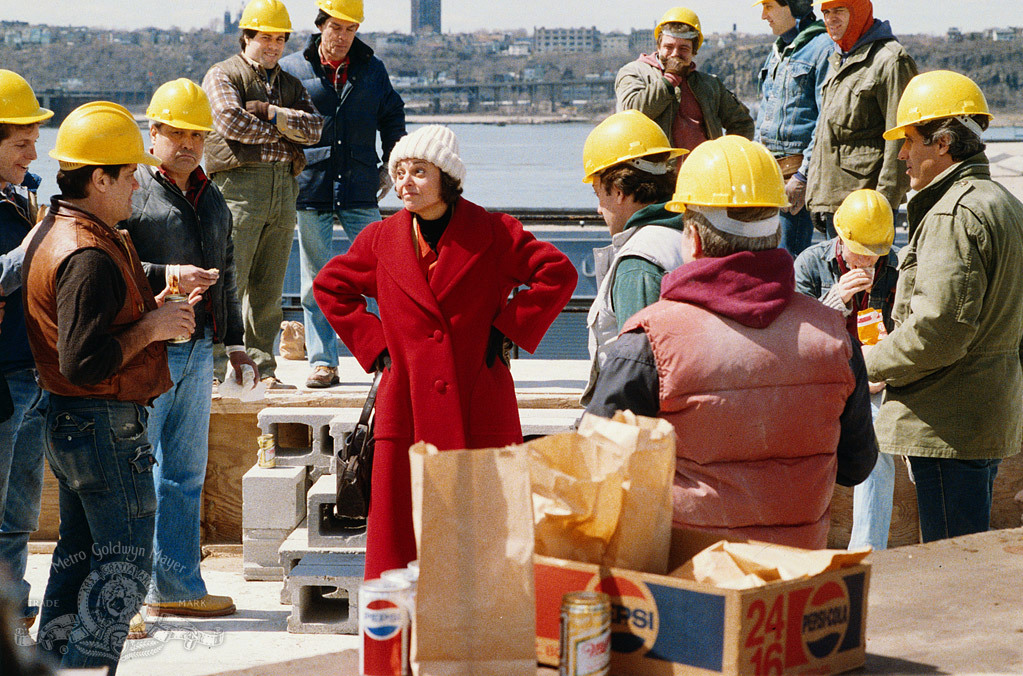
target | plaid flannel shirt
x=301, y=125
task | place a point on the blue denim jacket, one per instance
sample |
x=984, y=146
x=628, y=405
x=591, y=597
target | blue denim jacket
x=790, y=92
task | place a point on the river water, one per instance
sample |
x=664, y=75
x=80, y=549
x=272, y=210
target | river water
x=513, y=165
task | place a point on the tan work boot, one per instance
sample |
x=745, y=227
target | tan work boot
x=207, y=606
x=272, y=383
x=137, y=628
x=323, y=376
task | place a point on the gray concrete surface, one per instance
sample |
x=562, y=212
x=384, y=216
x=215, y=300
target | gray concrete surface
x=951, y=607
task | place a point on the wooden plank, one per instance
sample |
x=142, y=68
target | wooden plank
x=234, y=428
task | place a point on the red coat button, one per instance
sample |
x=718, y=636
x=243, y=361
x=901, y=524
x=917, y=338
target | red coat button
x=441, y=386
x=438, y=335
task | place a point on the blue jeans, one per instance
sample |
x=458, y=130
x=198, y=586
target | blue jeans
x=796, y=231
x=953, y=496
x=872, y=506
x=99, y=574
x=179, y=430
x=315, y=243
x=21, y=477
x=872, y=499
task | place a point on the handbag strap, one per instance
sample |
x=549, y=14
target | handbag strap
x=367, y=408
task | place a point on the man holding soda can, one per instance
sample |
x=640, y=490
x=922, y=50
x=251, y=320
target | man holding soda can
x=856, y=273
x=97, y=335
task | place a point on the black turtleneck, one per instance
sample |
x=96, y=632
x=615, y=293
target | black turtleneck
x=433, y=230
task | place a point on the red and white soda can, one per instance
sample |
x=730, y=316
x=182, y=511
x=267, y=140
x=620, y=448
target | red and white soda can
x=383, y=628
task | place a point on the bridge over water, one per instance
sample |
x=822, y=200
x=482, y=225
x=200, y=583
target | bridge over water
x=441, y=98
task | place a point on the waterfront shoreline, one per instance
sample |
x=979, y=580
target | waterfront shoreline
x=500, y=120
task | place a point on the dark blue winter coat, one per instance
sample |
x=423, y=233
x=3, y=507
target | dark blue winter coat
x=342, y=170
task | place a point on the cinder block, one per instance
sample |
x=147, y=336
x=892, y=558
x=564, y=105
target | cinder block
x=340, y=425
x=301, y=435
x=325, y=594
x=296, y=546
x=324, y=529
x=274, y=497
x=260, y=553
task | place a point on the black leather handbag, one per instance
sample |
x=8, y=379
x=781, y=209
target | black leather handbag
x=355, y=465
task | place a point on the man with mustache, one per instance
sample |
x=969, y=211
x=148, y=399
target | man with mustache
x=181, y=227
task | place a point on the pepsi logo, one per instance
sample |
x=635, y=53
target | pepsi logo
x=382, y=619
x=825, y=619
x=633, y=613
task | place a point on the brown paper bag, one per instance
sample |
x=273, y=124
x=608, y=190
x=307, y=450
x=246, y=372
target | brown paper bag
x=475, y=600
x=602, y=494
x=746, y=565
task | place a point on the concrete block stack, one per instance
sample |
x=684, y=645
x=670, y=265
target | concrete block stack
x=290, y=532
x=273, y=503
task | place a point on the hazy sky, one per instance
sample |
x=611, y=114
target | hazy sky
x=907, y=16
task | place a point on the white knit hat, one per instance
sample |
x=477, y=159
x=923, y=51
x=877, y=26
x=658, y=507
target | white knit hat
x=434, y=143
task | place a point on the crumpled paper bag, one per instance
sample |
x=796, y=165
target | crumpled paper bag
x=602, y=494
x=745, y=565
x=249, y=390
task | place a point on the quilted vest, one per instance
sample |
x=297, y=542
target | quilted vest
x=756, y=414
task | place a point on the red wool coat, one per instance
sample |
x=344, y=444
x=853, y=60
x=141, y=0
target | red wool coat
x=438, y=388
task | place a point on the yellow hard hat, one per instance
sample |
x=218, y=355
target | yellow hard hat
x=100, y=133
x=182, y=104
x=937, y=94
x=628, y=135
x=865, y=223
x=266, y=16
x=18, y=103
x=346, y=10
x=730, y=171
x=681, y=15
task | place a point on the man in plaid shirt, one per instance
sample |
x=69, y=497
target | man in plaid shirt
x=262, y=118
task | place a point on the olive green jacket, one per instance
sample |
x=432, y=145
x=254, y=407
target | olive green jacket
x=952, y=362
x=859, y=102
x=640, y=86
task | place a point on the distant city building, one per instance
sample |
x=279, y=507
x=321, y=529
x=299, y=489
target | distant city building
x=577, y=40
x=1003, y=34
x=231, y=25
x=520, y=48
x=425, y=17
x=614, y=43
x=383, y=43
x=641, y=41
x=954, y=35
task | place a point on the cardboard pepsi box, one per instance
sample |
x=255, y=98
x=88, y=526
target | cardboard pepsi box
x=664, y=625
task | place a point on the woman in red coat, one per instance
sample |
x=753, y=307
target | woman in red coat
x=441, y=270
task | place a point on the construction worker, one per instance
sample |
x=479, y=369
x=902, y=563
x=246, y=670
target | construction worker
x=263, y=119
x=21, y=435
x=767, y=396
x=344, y=177
x=952, y=361
x=855, y=273
x=859, y=99
x=181, y=228
x=689, y=106
x=790, y=98
x=97, y=335
x=629, y=162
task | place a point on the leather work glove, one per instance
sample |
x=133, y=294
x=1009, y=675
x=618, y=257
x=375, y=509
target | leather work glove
x=382, y=362
x=498, y=346
x=385, y=183
x=260, y=109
